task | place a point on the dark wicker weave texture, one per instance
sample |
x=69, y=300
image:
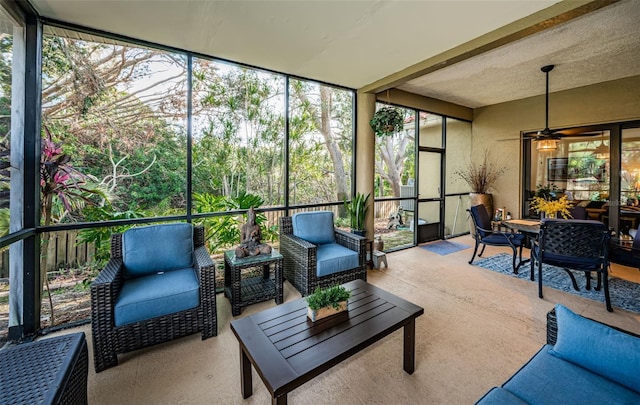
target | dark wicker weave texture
x=552, y=327
x=109, y=340
x=48, y=371
x=300, y=259
x=246, y=291
x=582, y=240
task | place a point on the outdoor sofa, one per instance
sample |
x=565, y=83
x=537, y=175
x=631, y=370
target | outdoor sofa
x=583, y=362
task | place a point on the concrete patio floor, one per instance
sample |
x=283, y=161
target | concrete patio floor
x=479, y=327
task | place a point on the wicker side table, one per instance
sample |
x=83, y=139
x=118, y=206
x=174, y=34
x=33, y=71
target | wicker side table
x=250, y=290
x=48, y=371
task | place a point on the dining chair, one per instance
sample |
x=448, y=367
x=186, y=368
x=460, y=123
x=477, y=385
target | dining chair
x=484, y=235
x=573, y=245
x=626, y=255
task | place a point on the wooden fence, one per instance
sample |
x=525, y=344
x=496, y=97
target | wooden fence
x=64, y=251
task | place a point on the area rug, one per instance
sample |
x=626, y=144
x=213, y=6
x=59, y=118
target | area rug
x=624, y=294
x=444, y=247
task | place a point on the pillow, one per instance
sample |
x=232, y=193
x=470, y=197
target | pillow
x=151, y=249
x=315, y=226
x=598, y=348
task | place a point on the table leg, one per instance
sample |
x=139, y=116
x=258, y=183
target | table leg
x=265, y=271
x=246, y=384
x=410, y=346
x=281, y=400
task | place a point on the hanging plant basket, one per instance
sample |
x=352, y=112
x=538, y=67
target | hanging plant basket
x=387, y=121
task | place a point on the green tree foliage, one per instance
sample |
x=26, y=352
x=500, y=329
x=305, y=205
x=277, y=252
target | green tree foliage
x=240, y=145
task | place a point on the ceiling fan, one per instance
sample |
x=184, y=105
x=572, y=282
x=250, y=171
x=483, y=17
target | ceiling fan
x=546, y=135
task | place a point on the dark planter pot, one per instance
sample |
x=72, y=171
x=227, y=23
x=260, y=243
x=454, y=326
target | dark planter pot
x=359, y=233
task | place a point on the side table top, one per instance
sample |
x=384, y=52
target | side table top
x=230, y=256
x=34, y=372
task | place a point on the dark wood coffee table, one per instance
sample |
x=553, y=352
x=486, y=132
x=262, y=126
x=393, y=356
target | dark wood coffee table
x=288, y=350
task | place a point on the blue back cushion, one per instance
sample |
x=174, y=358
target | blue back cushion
x=151, y=249
x=598, y=348
x=479, y=212
x=315, y=227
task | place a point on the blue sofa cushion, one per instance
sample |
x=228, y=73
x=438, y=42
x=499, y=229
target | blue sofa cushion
x=315, y=226
x=500, y=396
x=599, y=348
x=150, y=249
x=550, y=380
x=334, y=258
x=156, y=295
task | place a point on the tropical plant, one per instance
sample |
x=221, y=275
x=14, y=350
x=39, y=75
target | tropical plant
x=357, y=210
x=481, y=175
x=387, y=121
x=325, y=297
x=58, y=178
x=224, y=231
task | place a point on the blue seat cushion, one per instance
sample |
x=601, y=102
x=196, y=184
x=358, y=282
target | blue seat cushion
x=547, y=379
x=516, y=239
x=573, y=262
x=150, y=249
x=500, y=396
x=599, y=348
x=334, y=258
x=315, y=226
x=156, y=295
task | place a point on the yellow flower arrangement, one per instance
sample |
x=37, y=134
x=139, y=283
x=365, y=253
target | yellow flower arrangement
x=552, y=207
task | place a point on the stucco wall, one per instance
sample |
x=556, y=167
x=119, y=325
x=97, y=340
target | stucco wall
x=613, y=101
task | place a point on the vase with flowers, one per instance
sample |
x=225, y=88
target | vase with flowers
x=551, y=208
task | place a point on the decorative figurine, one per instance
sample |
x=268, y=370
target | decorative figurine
x=250, y=236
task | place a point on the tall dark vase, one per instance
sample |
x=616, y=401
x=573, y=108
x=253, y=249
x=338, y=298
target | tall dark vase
x=484, y=199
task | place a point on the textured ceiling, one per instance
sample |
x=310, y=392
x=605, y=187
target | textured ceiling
x=356, y=43
x=598, y=47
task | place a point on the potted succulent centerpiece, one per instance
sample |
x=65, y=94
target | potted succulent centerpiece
x=481, y=176
x=357, y=212
x=387, y=121
x=328, y=301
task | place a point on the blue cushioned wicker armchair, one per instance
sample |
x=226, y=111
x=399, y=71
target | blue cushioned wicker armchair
x=159, y=285
x=316, y=254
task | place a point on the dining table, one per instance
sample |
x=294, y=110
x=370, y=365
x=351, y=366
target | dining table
x=621, y=249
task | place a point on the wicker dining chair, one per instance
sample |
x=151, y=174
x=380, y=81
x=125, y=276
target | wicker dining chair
x=316, y=254
x=158, y=286
x=573, y=245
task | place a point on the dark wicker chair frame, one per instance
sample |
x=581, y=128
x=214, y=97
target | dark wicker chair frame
x=510, y=239
x=587, y=240
x=300, y=259
x=109, y=340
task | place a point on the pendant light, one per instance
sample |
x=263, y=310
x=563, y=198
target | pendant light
x=545, y=145
x=602, y=150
